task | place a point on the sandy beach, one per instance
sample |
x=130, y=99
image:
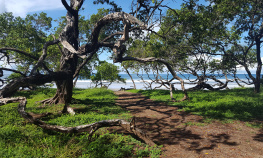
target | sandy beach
x=141, y=85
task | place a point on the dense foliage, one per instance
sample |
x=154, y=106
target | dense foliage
x=106, y=74
x=28, y=34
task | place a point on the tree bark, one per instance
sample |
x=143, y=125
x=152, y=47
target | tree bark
x=171, y=91
x=64, y=91
x=259, y=67
x=75, y=81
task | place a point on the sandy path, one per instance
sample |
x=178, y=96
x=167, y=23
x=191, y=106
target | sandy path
x=182, y=138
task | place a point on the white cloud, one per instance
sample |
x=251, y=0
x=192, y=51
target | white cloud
x=23, y=7
x=156, y=27
x=253, y=70
x=2, y=6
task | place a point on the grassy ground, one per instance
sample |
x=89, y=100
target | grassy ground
x=21, y=139
x=225, y=105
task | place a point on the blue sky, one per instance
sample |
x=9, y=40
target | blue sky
x=55, y=9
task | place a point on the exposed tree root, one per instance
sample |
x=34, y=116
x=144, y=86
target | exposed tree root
x=51, y=101
x=68, y=109
x=181, y=100
x=55, y=100
x=184, y=98
x=90, y=128
x=48, y=102
x=204, y=85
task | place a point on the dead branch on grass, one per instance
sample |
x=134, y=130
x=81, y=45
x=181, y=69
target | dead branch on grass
x=90, y=128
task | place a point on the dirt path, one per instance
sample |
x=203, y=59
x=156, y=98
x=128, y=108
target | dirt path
x=182, y=137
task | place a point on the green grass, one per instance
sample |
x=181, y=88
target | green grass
x=225, y=105
x=19, y=138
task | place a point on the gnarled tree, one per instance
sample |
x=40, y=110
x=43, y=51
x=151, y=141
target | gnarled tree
x=71, y=52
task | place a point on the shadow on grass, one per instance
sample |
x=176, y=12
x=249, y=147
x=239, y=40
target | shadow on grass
x=31, y=93
x=100, y=106
x=237, y=104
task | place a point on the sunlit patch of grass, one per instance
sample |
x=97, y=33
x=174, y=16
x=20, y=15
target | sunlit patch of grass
x=254, y=124
x=233, y=104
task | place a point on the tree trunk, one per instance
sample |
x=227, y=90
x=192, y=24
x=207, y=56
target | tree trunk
x=64, y=91
x=171, y=91
x=68, y=60
x=65, y=87
x=257, y=86
x=259, y=67
x=75, y=81
x=134, y=86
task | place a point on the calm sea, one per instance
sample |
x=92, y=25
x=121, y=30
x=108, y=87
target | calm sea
x=164, y=76
x=184, y=76
x=83, y=83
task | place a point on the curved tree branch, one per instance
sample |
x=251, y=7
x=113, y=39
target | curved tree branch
x=38, y=79
x=44, y=55
x=19, y=51
x=12, y=70
x=117, y=16
x=24, y=53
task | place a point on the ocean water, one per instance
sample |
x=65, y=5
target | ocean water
x=142, y=81
x=184, y=76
